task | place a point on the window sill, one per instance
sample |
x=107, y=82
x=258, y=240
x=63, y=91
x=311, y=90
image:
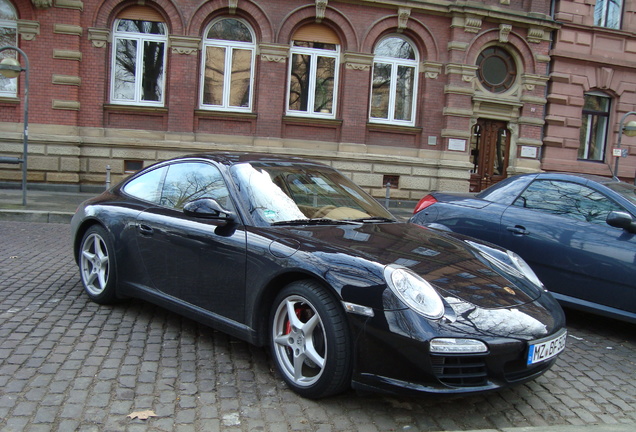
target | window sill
x=9, y=100
x=225, y=114
x=312, y=121
x=382, y=127
x=136, y=108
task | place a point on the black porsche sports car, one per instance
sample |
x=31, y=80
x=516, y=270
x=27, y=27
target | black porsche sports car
x=289, y=253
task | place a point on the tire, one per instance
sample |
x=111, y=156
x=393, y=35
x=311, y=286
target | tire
x=97, y=266
x=312, y=350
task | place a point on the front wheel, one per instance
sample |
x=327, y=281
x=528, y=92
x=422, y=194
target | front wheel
x=310, y=340
x=97, y=265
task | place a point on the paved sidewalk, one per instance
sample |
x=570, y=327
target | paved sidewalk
x=58, y=207
x=42, y=206
x=67, y=364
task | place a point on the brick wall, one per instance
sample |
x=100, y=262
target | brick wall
x=77, y=131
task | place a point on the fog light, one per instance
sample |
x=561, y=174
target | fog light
x=457, y=346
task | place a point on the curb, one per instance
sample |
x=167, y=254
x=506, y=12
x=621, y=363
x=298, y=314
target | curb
x=35, y=216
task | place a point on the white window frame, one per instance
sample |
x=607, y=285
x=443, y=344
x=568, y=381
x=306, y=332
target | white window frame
x=13, y=25
x=140, y=38
x=314, y=53
x=229, y=47
x=395, y=64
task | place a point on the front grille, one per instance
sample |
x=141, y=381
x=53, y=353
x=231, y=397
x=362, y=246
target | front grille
x=460, y=371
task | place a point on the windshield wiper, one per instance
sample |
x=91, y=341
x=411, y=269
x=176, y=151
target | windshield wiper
x=374, y=219
x=317, y=221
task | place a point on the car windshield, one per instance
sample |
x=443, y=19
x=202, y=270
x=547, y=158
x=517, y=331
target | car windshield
x=625, y=189
x=279, y=193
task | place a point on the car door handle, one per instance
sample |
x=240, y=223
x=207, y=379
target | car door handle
x=518, y=230
x=145, y=229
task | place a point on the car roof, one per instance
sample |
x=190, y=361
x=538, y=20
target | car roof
x=568, y=175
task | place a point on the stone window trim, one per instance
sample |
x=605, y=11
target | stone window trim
x=503, y=72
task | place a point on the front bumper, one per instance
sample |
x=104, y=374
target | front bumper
x=396, y=358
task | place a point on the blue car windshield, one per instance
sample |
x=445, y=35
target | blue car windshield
x=278, y=193
x=625, y=189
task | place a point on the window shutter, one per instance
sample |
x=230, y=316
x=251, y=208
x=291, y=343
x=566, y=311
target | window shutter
x=316, y=33
x=142, y=13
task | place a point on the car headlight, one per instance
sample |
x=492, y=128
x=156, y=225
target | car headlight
x=413, y=290
x=507, y=261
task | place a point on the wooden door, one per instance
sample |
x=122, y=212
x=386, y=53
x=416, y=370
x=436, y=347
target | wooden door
x=490, y=144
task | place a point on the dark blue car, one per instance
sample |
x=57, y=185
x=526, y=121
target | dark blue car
x=576, y=231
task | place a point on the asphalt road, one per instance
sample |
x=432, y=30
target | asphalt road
x=67, y=364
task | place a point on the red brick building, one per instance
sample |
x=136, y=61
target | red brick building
x=592, y=88
x=427, y=95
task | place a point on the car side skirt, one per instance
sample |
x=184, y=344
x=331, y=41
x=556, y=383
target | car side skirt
x=586, y=306
x=188, y=310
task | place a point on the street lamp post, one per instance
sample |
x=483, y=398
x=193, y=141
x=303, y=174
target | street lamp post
x=630, y=130
x=11, y=68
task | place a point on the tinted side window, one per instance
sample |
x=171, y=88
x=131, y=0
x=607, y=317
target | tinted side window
x=147, y=187
x=189, y=181
x=567, y=199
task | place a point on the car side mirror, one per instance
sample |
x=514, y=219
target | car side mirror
x=622, y=220
x=208, y=208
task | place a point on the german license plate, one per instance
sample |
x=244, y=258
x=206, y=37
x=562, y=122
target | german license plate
x=544, y=349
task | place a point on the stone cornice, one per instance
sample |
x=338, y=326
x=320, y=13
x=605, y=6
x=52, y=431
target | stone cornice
x=28, y=29
x=276, y=53
x=98, y=36
x=184, y=44
x=358, y=61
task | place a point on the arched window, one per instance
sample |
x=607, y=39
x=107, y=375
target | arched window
x=228, y=66
x=8, y=37
x=313, y=72
x=593, y=134
x=497, y=70
x=139, y=57
x=394, y=81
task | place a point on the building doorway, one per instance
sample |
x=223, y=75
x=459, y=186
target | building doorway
x=489, y=148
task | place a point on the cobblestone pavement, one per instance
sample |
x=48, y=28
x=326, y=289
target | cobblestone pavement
x=67, y=364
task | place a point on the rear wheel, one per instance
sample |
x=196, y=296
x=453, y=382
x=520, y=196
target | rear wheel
x=310, y=340
x=97, y=265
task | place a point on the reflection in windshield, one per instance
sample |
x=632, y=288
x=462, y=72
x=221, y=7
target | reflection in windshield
x=625, y=189
x=278, y=193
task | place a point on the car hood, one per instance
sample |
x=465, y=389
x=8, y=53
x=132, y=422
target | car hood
x=456, y=269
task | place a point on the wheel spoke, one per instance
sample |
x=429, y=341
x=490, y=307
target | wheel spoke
x=299, y=361
x=308, y=327
x=91, y=279
x=88, y=256
x=102, y=277
x=312, y=354
x=282, y=340
x=296, y=323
